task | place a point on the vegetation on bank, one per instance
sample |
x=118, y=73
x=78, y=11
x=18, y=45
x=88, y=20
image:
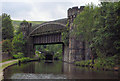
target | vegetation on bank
x=108, y=63
x=100, y=27
x=25, y=59
x=6, y=65
x=13, y=42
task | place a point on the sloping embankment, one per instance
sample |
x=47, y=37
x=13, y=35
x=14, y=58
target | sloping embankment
x=5, y=65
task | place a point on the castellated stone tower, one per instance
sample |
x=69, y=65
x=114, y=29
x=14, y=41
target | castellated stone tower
x=76, y=45
x=25, y=28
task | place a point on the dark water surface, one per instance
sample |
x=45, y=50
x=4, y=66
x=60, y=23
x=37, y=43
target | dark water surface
x=55, y=70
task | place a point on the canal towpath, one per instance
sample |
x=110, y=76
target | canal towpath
x=5, y=64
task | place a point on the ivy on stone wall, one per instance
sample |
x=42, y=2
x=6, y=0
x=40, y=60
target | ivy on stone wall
x=100, y=26
x=65, y=35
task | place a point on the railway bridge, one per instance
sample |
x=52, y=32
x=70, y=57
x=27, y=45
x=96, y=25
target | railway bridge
x=51, y=33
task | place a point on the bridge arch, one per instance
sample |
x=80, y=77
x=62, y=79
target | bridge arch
x=48, y=28
x=46, y=33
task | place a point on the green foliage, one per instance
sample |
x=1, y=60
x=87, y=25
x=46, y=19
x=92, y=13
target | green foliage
x=106, y=63
x=55, y=49
x=7, y=46
x=58, y=55
x=65, y=35
x=7, y=33
x=18, y=43
x=24, y=21
x=80, y=63
x=85, y=22
x=25, y=59
x=7, y=27
x=18, y=55
x=99, y=26
x=107, y=33
x=40, y=55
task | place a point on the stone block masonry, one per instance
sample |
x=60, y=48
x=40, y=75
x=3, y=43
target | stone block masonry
x=77, y=48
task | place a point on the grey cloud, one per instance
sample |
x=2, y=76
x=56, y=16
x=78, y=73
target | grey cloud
x=37, y=11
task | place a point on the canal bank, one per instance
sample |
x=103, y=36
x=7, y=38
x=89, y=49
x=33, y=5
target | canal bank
x=4, y=65
x=7, y=64
x=106, y=64
x=55, y=70
x=29, y=68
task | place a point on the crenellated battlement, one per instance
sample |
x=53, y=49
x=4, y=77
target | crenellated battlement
x=25, y=25
x=76, y=47
x=72, y=12
x=25, y=28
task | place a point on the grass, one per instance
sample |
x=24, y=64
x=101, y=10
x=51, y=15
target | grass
x=6, y=65
x=36, y=22
x=16, y=23
x=24, y=59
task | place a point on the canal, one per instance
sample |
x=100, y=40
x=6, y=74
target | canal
x=55, y=70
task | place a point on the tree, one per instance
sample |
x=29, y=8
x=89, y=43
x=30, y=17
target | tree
x=7, y=27
x=85, y=26
x=7, y=46
x=18, y=43
x=7, y=33
x=108, y=30
x=100, y=26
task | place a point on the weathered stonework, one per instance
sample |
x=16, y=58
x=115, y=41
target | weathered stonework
x=76, y=45
x=25, y=28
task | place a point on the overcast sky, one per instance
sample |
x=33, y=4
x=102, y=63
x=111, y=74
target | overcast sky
x=40, y=10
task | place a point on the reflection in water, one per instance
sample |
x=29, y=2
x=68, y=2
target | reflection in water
x=76, y=72
x=55, y=70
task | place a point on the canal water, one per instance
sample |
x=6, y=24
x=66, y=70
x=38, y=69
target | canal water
x=55, y=70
